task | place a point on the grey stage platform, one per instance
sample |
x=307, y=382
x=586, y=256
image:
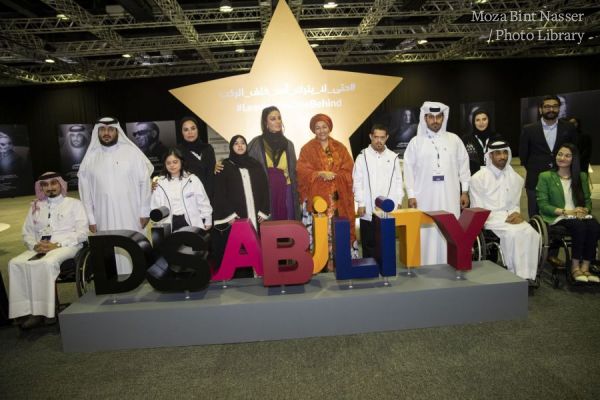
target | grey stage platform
x=247, y=311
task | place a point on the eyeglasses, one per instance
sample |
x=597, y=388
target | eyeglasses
x=140, y=133
x=549, y=107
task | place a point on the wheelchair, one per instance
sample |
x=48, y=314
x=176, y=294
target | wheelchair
x=487, y=247
x=556, y=237
x=75, y=270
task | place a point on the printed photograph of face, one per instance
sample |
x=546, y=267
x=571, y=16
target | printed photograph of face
x=153, y=138
x=15, y=161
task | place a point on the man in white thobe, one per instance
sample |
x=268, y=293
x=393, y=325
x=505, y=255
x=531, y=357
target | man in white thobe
x=377, y=172
x=497, y=187
x=114, y=184
x=436, y=170
x=54, y=230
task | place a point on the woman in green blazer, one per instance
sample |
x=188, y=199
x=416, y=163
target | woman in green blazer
x=563, y=197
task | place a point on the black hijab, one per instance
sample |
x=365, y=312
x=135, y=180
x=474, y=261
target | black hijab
x=197, y=146
x=240, y=160
x=487, y=133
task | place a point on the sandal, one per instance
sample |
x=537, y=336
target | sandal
x=591, y=277
x=579, y=276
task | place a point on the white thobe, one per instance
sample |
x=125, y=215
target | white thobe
x=376, y=174
x=115, y=190
x=31, y=287
x=426, y=156
x=500, y=192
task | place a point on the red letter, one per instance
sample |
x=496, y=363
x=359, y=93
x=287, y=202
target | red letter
x=460, y=234
x=297, y=249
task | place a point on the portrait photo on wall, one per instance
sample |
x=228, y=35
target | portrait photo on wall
x=154, y=138
x=73, y=141
x=579, y=108
x=402, y=126
x=468, y=111
x=15, y=161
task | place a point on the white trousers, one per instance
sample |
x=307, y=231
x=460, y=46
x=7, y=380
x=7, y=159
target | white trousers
x=31, y=283
x=520, y=245
x=434, y=249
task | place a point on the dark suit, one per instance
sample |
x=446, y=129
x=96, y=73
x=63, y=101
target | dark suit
x=537, y=157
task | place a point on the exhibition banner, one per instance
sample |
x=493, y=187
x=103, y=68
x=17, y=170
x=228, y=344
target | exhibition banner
x=15, y=161
x=154, y=138
x=73, y=141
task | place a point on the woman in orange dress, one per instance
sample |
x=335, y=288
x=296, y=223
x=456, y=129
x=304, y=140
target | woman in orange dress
x=325, y=169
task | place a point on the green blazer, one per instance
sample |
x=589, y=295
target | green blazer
x=550, y=195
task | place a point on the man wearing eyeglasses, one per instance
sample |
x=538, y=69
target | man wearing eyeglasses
x=538, y=144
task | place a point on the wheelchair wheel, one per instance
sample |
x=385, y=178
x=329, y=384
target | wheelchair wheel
x=540, y=226
x=84, y=273
x=478, y=252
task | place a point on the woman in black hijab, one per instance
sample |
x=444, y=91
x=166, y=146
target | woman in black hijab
x=241, y=191
x=477, y=141
x=199, y=157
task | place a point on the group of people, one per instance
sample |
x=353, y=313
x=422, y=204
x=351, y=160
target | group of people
x=556, y=157
x=262, y=180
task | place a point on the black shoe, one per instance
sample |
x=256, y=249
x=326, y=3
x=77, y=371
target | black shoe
x=32, y=322
x=50, y=321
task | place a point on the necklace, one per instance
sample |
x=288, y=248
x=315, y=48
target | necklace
x=566, y=178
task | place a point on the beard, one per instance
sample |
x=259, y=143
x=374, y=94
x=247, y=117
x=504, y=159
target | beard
x=111, y=143
x=549, y=115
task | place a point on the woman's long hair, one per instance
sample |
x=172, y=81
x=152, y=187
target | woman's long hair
x=575, y=169
x=178, y=154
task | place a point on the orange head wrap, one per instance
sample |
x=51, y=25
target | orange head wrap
x=321, y=117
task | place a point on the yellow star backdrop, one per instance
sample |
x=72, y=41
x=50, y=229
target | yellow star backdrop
x=287, y=74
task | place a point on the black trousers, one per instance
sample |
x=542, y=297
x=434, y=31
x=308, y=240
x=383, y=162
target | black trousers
x=178, y=222
x=367, y=238
x=532, y=207
x=584, y=234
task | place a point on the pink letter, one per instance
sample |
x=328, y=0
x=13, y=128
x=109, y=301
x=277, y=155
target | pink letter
x=243, y=236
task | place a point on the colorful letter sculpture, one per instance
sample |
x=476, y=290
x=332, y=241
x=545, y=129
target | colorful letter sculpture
x=295, y=248
x=460, y=234
x=320, y=239
x=409, y=223
x=242, y=250
x=345, y=267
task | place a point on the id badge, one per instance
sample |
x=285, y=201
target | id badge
x=437, y=175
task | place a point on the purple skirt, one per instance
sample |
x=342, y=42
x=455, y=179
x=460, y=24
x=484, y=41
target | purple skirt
x=282, y=206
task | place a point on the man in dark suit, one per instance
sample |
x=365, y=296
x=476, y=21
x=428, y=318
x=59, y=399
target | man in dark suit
x=539, y=143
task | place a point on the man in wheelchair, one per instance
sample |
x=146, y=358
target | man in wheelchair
x=54, y=230
x=497, y=187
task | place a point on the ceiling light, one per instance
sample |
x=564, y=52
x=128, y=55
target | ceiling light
x=62, y=17
x=49, y=60
x=328, y=5
x=313, y=45
x=422, y=41
x=481, y=1
x=225, y=6
x=240, y=50
x=126, y=55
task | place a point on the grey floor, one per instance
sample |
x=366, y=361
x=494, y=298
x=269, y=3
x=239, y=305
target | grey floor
x=553, y=354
